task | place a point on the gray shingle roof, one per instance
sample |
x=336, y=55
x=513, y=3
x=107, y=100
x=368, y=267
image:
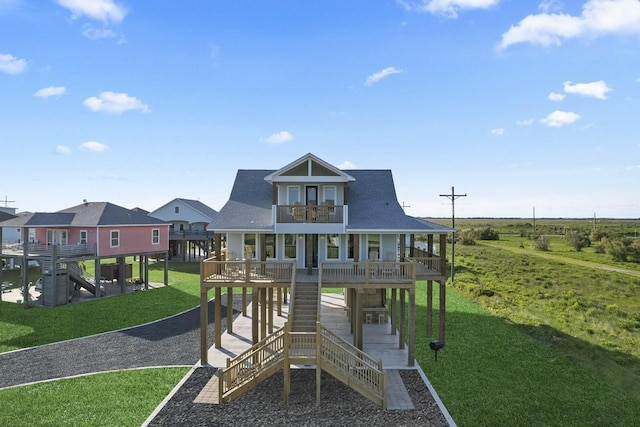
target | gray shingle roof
x=201, y=207
x=249, y=205
x=90, y=214
x=373, y=205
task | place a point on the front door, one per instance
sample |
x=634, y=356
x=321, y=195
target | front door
x=311, y=246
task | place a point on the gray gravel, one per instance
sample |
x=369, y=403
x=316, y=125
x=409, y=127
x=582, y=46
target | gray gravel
x=174, y=341
x=264, y=405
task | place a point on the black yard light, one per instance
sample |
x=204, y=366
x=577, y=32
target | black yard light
x=436, y=346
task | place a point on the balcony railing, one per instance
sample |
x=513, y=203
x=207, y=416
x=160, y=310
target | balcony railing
x=80, y=249
x=326, y=214
x=190, y=234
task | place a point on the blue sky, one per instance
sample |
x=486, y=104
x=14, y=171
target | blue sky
x=518, y=104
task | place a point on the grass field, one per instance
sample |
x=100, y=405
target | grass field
x=530, y=341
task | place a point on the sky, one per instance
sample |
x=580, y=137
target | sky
x=522, y=106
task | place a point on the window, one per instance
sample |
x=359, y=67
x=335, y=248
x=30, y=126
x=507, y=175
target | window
x=115, y=238
x=289, y=245
x=155, y=236
x=176, y=209
x=293, y=195
x=333, y=246
x=330, y=195
x=270, y=243
x=373, y=246
x=83, y=237
x=351, y=246
x=249, y=246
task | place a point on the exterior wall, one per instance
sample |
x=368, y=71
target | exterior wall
x=235, y=245
x=187, y=214
x=133, y=239
x=283, y=191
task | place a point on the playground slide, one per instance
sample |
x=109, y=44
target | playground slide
x=81, y=281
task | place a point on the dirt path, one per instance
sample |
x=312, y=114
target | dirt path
x=566, y=260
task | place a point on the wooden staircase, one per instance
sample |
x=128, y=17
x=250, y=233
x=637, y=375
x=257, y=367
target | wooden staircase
x=305, y=303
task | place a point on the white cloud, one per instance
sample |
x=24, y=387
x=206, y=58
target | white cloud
x=346, y=165
x=100, y=10
x=279, y=138
x=62, y=149
x=497, y=131
x=114, y=103
x=557, y=97
x=550, y=6
x=598, y=18
x=50, y=91
x=597, y=89
x=527, y=122
x=11, y=65
x=448, y=8
x=93, y=146
x=376, y=77
x=560, y=118
x=98, y=33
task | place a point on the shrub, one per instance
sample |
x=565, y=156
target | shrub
x=487, y=233
x=541, y=243
x=465, y=238
x=577, y=240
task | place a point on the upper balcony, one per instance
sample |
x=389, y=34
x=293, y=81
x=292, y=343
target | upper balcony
x=190, y=235
x=314, y=214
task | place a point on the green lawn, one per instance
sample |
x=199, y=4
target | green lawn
x=554, y=345
x=124, y=398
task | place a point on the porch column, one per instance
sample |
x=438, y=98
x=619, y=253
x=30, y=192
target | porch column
x=217, y=323
x=218, y=247
x=122, y=270
x=146, y=272
x=403, y=247
x=412, y=326
x=230, y=310
x=412, y=245
x=402, y=318
x=204, y=325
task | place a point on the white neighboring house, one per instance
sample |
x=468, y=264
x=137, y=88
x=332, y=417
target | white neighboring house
x=188, y=235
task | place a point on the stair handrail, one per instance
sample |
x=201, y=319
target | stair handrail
x=365, y=374
x=247, y=367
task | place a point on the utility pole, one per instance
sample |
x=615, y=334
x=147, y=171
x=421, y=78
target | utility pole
x=453, y=196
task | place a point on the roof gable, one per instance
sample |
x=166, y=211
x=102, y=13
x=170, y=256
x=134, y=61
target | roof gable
x=309, y=168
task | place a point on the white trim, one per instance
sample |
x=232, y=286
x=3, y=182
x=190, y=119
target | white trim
x=152, y=236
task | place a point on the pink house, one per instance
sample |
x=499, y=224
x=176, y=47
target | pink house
x=91, y=231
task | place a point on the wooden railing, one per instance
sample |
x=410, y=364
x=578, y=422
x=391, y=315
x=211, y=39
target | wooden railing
x=323, y=348
x=352, y=366
x=310, y=213
x=247, y=270
x=191, y=234
x=63, y=250
x=255, y=365
x=367, y=271
x=429, y=265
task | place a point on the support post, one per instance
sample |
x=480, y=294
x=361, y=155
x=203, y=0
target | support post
x=204, y=325
x=230, y=310
x=217, y=324
x=402, y=319
x=412, y=327
x=270, y=308
x=255, y=297
x=394, y=322
x=443, y=304
x=263, y=313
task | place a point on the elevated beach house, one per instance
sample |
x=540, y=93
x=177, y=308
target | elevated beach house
x=307, y=226
x=188, y=235
x=90, y=232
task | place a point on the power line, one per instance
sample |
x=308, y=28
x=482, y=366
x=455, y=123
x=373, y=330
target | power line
x=453, y=196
